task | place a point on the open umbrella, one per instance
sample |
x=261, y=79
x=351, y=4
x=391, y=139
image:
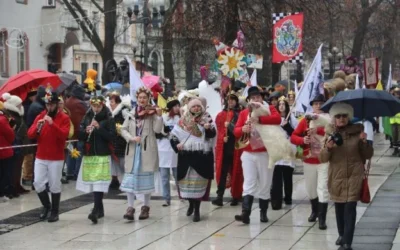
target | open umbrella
x=113, y=86
x=366, y=103
x=24, y=81
x=149, y=80
x=66, y=81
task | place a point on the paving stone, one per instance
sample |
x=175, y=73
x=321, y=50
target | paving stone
x=372, y=246
x=374, y=232
x=381, y=239
x=379, y=219
x=394, y=225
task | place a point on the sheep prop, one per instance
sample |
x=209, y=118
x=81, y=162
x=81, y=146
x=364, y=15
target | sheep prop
x=273, y=136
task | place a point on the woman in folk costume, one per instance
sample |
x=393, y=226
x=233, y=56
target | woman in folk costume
x=119, y=111
x=168, y=158
x=283, y=171
x=97, y=130
x=141, y=160
x=309, y=134
x=192, y=140
x=227, y=158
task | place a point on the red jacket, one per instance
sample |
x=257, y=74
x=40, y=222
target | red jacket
x=273, y=119
x=7, y=137
x=52, y=138
x=297, y=138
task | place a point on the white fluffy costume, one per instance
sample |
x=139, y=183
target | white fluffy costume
x=273, y=136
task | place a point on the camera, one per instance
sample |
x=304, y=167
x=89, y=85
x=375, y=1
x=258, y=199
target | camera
x=336, y=138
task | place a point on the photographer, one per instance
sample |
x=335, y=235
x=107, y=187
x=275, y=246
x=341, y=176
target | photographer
x=346, y=150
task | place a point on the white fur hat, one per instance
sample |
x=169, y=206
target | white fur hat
x=341, y=108
x=11, y=102
x=195, y=102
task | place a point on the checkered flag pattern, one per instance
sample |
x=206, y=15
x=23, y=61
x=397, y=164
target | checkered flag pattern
x=278, y=16
x=275, y=18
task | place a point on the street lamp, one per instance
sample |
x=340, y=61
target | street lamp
x=333, y=56
x=146, y=19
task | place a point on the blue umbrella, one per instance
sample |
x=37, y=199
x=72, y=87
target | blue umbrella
x=366, y=103
x=113, y=86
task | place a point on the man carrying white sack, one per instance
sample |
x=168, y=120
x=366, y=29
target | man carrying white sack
x=309, y=134
x=51, y=129
x=257, y=175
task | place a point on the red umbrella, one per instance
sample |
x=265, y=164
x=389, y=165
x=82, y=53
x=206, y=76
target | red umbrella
x=150, y=80
x=24, y=81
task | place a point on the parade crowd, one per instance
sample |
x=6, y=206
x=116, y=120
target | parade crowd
x=125, y=148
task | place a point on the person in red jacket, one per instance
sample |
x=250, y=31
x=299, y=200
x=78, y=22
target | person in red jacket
x=315, y=172
x=227, y=158
x=257, y=175
x=7, y=137
x=50, y=129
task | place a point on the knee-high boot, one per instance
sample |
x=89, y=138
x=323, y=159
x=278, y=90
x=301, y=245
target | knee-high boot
x=191, y=208
x=196, y=216
x=263, y=210
x=246, y=209
x=44, y=199
x=314, y=210
x=322, y=210
x=55, y=200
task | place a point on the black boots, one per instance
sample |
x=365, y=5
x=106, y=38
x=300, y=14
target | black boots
x=234, y=202
x=98, y=210
x=263, y=210
x=314, y=210
x=55, y=200
x=44, y=199
x=276, y=204
x=322, y=210
x=218, y=201
x=246, y=210
x=191, y=208
x=339, y=241
x=196, y=216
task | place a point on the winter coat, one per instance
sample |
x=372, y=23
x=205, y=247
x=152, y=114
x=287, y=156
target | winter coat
x=120, y=113
x=7, y=137
x=225, y=152
x=346, y=164
x=151, y=125
x=20, y=131
x=51, y=140
x=36, y=107
x=99, y=142
x=78, y=109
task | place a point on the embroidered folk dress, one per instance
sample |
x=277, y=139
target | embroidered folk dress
x=195, y=161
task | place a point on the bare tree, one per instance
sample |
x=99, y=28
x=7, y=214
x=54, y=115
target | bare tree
x=109, y=9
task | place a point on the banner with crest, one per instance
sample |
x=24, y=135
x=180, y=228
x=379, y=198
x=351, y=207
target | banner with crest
x=287, y=37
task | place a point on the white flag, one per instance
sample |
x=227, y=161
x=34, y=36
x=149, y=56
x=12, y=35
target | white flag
x=389, y=80
x=134, y=79
x=357, y=82
x=253, y=82
x=312, y=84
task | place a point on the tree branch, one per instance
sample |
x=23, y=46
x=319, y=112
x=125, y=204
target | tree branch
x=89, y=31
x=97, y=6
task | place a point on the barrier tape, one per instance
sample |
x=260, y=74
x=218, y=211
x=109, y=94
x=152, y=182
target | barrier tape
x=31, y=145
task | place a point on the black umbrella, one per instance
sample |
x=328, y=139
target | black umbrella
x=366, y=103
x=66, y=81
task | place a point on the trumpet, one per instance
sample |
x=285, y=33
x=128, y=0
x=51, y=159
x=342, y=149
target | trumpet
x=244, y=140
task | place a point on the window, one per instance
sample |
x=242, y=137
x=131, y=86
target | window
x=22, y=52
x=3, y=53
x=22, y=1
x=154, y=63
x=84, y=68
x=96, y=67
